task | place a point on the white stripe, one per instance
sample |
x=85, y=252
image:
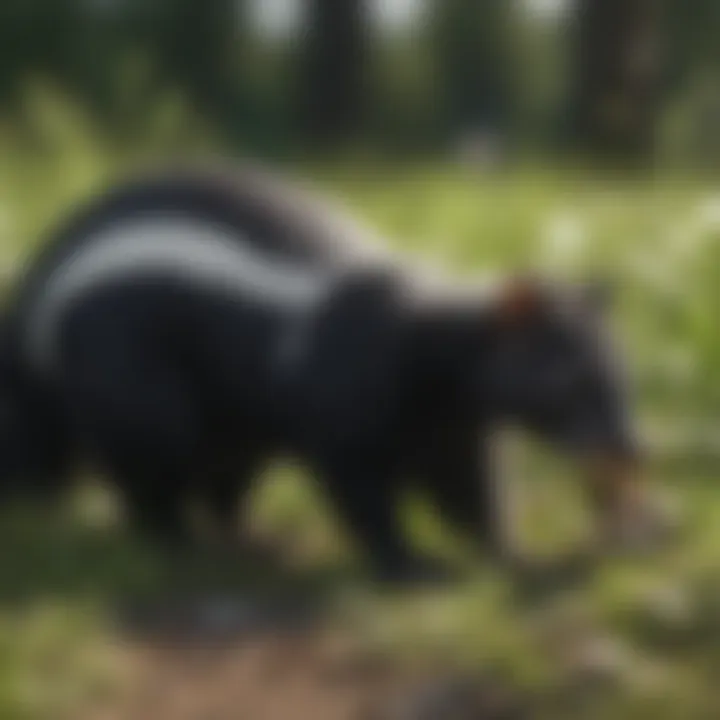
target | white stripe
x=202, y=254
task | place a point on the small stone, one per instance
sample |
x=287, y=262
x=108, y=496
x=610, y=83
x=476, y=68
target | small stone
x=670, y=604
x=598, y=660
x=456, y=699
x=225, y=616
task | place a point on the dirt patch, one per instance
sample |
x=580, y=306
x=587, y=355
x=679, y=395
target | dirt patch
x=284, y=678
x=240, y=667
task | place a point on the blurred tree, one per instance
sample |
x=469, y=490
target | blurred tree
x=195, y=45
x=471, y=43
x=333, y=71
x=33, y=38
x=405, y=110
x=63, y=41
x=615, y=102
x=85, y=46
x=693, y=44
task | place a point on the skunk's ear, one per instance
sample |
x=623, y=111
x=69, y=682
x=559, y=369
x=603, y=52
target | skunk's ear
x=521, y=299
x=599, y=295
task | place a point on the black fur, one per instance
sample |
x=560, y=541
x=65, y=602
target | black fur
x=171, y=390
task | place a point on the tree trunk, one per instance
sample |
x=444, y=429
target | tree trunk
x=470, y=37
x=333, y=72
x=617, y=78
x=198, y=51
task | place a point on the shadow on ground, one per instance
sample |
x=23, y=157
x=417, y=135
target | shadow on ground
x=218, y=636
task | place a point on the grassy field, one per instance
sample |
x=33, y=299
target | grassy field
x=639, y=638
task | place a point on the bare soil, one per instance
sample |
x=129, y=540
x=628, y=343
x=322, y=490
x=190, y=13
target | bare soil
x=205, y=668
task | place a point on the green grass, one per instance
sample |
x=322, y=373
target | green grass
x=61, y=576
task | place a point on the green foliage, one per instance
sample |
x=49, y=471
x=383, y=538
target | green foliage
x=464, y=65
